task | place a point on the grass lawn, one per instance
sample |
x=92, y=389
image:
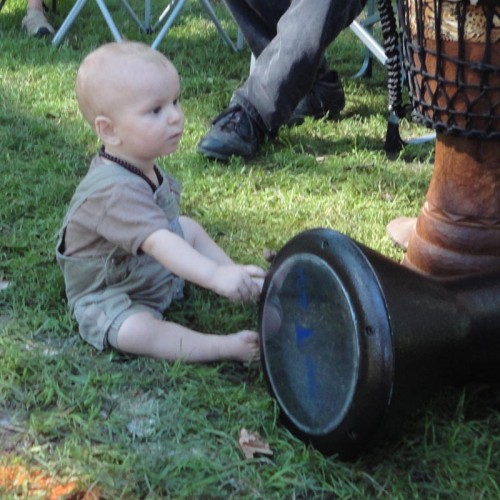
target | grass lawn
x=73, y=420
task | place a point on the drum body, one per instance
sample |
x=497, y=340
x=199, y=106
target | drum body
x=452, y=59
x=352, y=342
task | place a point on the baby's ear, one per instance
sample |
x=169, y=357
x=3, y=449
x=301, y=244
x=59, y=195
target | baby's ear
x=105, y=129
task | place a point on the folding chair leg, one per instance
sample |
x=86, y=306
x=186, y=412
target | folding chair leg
x=175, y=6
x=68, y=22
x=73, y=14
x=170, y=13
x=109, y=21
x=367, y=23
x=144, y=27
x=175, y=12
x=218, y=25
x=369, y=42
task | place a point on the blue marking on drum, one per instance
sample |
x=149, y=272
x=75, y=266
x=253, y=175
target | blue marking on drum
x=302, y=334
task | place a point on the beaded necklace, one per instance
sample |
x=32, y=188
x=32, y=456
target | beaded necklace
x=132, y=168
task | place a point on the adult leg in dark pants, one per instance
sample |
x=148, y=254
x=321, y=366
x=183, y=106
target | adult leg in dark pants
x=290, y=79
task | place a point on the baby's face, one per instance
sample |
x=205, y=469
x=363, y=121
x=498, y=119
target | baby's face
x=148, y=117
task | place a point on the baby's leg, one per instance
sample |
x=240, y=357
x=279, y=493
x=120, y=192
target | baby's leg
x=199, y=239
x=146, y=335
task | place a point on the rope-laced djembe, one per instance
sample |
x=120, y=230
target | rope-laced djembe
x=451, y=54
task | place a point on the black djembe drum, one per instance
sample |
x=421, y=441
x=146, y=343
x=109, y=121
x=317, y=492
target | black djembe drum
x=350, y=340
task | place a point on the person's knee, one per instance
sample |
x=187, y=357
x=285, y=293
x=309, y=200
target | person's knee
x=136, y=332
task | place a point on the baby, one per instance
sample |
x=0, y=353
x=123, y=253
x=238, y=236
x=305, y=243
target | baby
x=123, y=248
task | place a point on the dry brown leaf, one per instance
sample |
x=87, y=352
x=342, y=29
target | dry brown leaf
x=252, y=444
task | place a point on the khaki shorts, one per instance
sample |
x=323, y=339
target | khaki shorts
x=118, y=287
x=101, y=317
x=101, y=313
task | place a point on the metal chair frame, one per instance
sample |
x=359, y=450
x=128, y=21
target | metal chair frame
x=364, y=31
x=164, y=22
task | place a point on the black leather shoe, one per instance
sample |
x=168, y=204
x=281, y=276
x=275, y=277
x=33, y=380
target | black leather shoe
x=326, y=99
x=233, y=133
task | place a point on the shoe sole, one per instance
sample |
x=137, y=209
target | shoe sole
x=220, y=157
x=212, y=156
x=42, y=33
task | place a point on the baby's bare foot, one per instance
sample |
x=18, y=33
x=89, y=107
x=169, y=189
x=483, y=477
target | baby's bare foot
x=242, y=346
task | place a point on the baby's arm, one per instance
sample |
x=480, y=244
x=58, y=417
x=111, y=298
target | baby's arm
x=199, y=239
x=212, y=270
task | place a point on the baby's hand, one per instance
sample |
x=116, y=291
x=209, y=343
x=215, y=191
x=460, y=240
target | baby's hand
x=238, y=282
x=259, y=282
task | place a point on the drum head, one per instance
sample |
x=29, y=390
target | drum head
x=310, y=343
x=325, y=341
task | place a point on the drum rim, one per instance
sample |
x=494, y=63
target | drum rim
x=374, y=382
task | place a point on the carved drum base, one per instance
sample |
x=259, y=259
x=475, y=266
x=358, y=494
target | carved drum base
x=458, y=228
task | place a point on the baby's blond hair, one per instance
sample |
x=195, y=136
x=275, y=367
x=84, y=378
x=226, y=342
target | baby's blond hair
x=103, y=74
